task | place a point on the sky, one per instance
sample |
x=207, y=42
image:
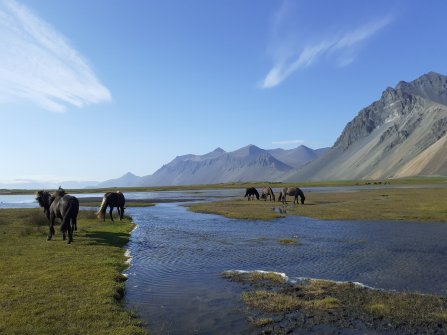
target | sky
x=90, y=90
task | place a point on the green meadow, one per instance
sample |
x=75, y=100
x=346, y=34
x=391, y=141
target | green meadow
x=50, y=287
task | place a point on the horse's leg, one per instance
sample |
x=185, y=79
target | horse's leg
x=110, y=212
x=119, y=212
x=75, y=223
x=51, y=228
x=70, y=230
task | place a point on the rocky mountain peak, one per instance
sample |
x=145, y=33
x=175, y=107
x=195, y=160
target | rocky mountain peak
x=431, y=86
x=393, y=105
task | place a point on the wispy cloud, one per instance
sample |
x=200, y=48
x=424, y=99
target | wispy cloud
x=290, y=56
x=38, y=64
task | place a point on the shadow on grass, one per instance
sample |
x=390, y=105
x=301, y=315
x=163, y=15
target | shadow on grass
x=108, y=238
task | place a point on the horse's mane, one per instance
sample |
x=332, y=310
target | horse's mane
x=102, y=208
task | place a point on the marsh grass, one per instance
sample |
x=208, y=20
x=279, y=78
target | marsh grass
x=327, y=300
x=254, y=277
x=50, y=287
x=288, y=241
x=412, y=204
x=270, y=301
x=239, y=209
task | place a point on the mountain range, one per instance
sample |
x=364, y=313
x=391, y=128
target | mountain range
x=401, y=134
x=249, y=163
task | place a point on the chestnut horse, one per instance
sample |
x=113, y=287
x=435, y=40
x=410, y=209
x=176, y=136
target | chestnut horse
x=112, y=200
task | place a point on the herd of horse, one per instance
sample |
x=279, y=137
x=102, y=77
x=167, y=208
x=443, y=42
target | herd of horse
x=63, y=206
x=267, y=191
x=60, y=205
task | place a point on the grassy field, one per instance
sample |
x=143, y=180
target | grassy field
x=413, y=204
x=50, y=287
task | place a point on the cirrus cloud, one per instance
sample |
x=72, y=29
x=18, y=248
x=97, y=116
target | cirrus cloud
x=290, y=56
x=37, y=64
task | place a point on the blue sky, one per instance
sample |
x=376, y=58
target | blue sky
x=92, y=89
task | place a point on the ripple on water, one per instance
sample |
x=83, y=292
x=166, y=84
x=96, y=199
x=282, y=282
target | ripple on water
x=178, y=258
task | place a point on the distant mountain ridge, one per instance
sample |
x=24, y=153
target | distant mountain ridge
x=249, y=163
x=401, y=134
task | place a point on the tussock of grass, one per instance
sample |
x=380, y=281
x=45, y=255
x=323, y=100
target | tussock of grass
x=254, y=276
x=271, y=301
x=326, y=303
x=50, y=287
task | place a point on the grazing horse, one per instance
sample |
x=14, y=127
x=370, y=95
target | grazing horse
x=62, y=206
x=267, y=192
x=251, y=192
x=292, y=191
x=112, y=200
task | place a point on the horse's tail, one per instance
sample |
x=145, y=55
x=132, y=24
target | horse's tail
x=257, y=194
x=102, y=209
x=70, y=215
x=280, y=196
x=273, y=194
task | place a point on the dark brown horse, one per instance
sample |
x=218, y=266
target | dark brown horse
x=62, y=206
x=292, y=191
x=112, y=200
x=267, y=192
x=251, y=192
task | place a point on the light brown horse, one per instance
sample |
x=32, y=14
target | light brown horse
x=267, y=192
x=292, y=191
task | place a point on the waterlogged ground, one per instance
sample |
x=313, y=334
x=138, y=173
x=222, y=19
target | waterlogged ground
x=175, y=281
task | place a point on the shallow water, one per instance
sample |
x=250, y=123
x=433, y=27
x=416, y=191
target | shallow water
x=175, y=285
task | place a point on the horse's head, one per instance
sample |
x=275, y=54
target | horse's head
x=44, y=200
